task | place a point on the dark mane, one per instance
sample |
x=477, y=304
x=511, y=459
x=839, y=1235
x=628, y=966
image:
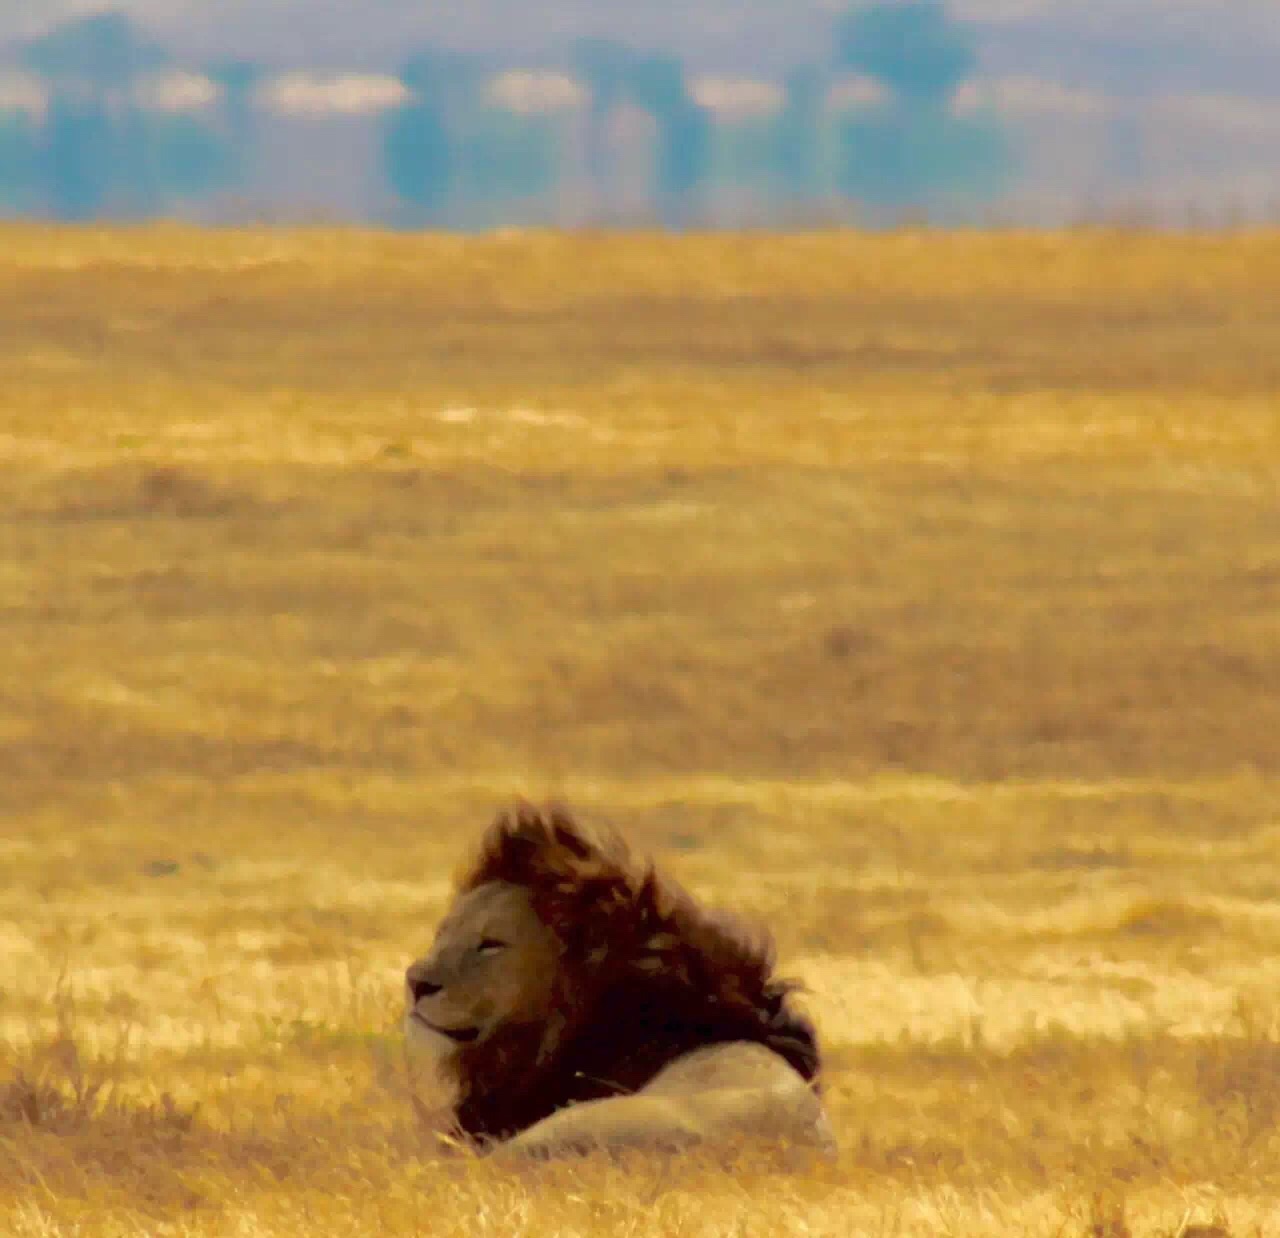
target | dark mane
x=646, y=976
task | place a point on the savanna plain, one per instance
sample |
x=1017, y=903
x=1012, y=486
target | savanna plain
x=918, y=594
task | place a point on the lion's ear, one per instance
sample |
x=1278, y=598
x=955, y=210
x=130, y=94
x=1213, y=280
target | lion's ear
x=567, y=833
x=529, y=845
x=515, y=849
x=520, y=838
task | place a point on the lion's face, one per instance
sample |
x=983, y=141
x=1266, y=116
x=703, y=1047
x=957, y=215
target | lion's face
x=493, y=963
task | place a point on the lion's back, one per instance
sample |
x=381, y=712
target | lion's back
x=744, y=1089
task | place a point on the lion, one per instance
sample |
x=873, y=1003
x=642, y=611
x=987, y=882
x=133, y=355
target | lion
x=579, y=1002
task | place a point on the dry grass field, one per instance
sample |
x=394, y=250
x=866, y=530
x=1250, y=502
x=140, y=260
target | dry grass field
x=918, y=593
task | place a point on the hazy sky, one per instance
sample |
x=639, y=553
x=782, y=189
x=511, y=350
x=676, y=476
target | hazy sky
x=1220, y=46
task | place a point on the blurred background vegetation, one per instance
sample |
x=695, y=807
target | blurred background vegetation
x=952, y=112
x=887, y=110
x=891, y=116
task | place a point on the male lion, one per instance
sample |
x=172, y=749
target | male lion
x=579, y=1001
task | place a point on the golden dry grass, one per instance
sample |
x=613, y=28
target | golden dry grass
x=920, y=593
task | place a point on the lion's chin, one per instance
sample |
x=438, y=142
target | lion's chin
x=427, y=1047
x=435, y=1044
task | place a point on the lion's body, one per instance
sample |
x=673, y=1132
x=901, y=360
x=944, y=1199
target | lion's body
x=577, y=1000
x=728, y=1095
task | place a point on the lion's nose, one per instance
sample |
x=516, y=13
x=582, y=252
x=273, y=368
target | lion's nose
x=423, y=988
x=419, y=982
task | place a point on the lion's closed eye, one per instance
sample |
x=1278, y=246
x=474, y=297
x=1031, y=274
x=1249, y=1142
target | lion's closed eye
x=490, y=945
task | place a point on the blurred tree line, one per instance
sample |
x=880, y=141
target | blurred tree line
x=97, y=150
x=453, y=157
